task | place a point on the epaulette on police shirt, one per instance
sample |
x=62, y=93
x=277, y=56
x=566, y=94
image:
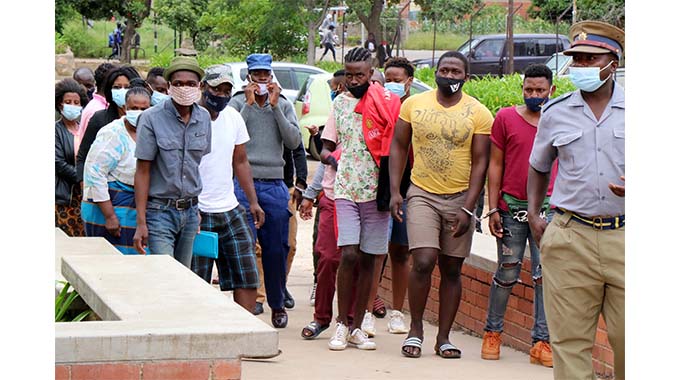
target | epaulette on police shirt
x=558, y=99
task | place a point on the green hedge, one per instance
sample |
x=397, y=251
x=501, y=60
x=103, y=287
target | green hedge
x=496, y=93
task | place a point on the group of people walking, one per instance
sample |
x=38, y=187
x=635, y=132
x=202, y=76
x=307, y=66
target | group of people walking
x=153, y=161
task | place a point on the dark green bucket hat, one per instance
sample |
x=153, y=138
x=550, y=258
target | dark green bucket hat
x=183, y=63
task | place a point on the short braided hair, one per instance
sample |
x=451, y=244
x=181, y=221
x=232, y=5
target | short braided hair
x=358, y=54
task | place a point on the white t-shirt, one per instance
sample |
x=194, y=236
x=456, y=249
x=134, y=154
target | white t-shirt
x=228, y=130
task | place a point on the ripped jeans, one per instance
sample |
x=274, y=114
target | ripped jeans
x=510, y=254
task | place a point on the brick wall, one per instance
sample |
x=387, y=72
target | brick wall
x=519, y=319
x=226, y=369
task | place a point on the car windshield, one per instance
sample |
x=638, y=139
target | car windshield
x=559, y=61
x=465, y=48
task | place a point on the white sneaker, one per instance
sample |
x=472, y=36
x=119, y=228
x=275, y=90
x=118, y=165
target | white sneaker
x=339, y=340
x=396, y=324
x=312, y=296
x=368, y=324
x=361, y=341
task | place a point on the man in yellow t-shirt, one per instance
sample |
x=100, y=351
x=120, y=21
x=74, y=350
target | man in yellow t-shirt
x=449, y=131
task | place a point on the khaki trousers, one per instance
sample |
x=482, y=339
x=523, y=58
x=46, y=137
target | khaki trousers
x=583, y=276
x=292, y=242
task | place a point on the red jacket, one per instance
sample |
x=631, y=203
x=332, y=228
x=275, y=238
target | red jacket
x=380, y=110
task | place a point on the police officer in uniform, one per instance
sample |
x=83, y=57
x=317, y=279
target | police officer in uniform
x=582, y=249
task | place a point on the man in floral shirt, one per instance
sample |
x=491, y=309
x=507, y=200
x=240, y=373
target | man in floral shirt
x=362, y=229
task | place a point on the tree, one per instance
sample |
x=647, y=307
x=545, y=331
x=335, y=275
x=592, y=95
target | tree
x=611, y=11
x=183, y=16
x=135, y=11
x=63, y=11
x=313, y=20
x=449, y=10
x=369, y=12
x=258, y=26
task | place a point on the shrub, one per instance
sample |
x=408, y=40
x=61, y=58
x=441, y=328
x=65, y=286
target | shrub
x=62, y=305
x=161, y=59
x=426, y=75
x=330, y=66
x=60, y=44
x=496, y=93
x=82, y=43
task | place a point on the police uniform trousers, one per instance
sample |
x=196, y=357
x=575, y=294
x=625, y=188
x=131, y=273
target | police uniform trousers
x=583, y=276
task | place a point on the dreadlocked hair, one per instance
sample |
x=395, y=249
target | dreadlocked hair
x=358, y=54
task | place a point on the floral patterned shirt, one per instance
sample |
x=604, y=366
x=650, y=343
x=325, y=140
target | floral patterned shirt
x=357, y=176
x=111, y=158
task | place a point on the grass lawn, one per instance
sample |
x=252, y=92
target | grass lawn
x=93, y=42
x=423, y=41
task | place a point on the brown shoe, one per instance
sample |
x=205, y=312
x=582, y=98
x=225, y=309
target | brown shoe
x=541, y=353
x=491, y=345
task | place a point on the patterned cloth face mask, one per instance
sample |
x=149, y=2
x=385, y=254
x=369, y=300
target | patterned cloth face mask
x=185, y=95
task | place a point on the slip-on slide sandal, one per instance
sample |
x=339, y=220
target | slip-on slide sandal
x=444, y=348
x=413, y=341
x=315, y=328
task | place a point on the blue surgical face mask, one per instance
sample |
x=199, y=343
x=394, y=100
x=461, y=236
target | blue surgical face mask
x=131, y=116
x=90, y=93
x=158, y=97
x=118, y=95
x=535, y=104
x=587, y=78
x=396, y=88
x=333, y=94
x=71, y=112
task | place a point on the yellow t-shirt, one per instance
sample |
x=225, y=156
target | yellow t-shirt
x=442, y=140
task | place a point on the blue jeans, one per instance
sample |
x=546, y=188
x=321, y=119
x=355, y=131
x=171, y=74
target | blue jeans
x=510, y=254
x=273, y=196
x=172, y=231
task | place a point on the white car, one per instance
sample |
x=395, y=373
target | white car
x=290, y=76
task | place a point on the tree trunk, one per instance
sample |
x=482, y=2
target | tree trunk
x=311, y=43
x=127, y=43
x=372, y=21
x=312, y=26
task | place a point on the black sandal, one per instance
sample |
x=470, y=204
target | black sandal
x=314, y=328
x=442, y=351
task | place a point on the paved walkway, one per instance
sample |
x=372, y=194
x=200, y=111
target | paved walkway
x=302, y=359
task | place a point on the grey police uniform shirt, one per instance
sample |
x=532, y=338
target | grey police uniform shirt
x=269, y=128
x=174, y=149
x=591, y=153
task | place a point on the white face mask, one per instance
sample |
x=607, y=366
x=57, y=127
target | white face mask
x=587, y=78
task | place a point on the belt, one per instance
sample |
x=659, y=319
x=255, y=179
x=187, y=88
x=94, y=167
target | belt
x=597, y=222
x=266, y=179
x=179, y=203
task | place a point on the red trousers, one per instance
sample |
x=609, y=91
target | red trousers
x=327, y=266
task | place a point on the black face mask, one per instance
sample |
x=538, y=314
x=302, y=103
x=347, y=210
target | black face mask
x=449, y=86
x=360, y=90
x=90, y=93
x=214, y=102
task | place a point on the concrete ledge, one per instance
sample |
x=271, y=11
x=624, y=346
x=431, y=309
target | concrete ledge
x=153, y=308
x=68, y=246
